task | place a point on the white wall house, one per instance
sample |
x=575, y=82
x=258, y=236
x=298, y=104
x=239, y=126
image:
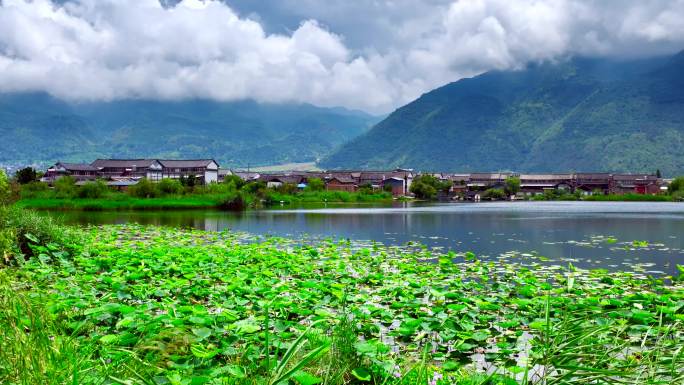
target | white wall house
x=204, y=169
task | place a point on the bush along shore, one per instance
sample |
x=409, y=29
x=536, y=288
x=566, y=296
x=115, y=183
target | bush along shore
x=232, y=194
x=148, y=305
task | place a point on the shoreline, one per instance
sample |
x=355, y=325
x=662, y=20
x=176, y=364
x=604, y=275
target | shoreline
x=211, y=203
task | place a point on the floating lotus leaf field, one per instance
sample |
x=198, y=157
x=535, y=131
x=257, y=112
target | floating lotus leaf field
x=208, y=305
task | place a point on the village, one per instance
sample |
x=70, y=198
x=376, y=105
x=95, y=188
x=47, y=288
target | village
x=120, y=174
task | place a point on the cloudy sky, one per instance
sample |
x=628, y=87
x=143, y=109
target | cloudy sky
x=373, y=55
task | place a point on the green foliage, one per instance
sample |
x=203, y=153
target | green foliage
x=25, y=232
x=65, y=187
x=287, y=188
x=558, y=195
x=26, y=175
x=628, y=198
x=234, y=180
x=93, y=190
x=494, y=194
x=512, y=185
x=5, y=188
x=143, y=189
x=676, y=185
x=34, y=189
x=427, y=186
x=168, y=186
x=280, y=311
x=233, y=201
x=315, y=184
x=581, y=114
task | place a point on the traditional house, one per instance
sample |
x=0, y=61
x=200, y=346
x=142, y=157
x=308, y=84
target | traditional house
x=590, y=182
x=484, y=181
x=206, y=170
x=277, y=180
x=397, y=185
x=79, y=171
x=635, y=184
x=538, y=183
x=134, y=168
x=459, y=185
x=247, y=176
x=341, y=183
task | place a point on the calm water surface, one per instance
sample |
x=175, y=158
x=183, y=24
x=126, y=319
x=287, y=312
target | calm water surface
x=563, y=231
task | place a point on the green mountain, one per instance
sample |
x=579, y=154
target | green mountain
x=579, y=114
x=37, y=128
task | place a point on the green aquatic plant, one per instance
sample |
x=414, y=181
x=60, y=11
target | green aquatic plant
x=186, y=306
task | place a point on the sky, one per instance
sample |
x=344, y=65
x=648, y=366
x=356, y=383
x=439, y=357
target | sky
x=370, y=55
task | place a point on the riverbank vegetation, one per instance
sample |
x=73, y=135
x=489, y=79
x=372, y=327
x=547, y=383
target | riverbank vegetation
x=149, y=305
x=232, y=194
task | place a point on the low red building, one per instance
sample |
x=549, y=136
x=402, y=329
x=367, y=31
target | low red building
x=635, y=184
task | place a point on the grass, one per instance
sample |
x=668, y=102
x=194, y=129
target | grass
x=122, y=202
x=329, y=196
x=628, y=198
x=119, y=201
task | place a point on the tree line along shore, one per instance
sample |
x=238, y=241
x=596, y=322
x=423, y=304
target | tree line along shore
x=240, y=191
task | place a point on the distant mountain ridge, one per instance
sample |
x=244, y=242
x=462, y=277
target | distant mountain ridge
x=579, y=114
x=36, y=127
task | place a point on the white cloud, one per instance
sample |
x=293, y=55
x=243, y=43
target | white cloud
x=109, y=49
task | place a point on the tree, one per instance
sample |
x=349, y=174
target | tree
x=676, y=185
x=235, y=180
x=26, y=175
x=315, y=184
x=512, y=185
x=494, y=194
x=189, y=181
x=65, y=186
x=169, y=186
x=5, y=188
x=426, y=186
x=93, y=190
x=658, y=174
x=143, y=189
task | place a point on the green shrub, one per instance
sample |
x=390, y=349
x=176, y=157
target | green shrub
x=169, y=186
x=5, y=188
x=315, y=184
x=65, y=187
x=233, y=202
x=494, y=194
x=34, y=190
x=676, y=185
x=93, y=190
x=678, y=195
x=512, y=185
x=143, y=189
x=235, y=180
x=426, y=186
x=23, y=228
x=287, y=188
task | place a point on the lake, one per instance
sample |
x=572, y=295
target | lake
x=588, y=234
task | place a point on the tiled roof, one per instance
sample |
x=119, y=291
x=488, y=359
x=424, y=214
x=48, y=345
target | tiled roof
x=343, y=179
x=186, y=163
x=77, y=166
x=118, y=163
